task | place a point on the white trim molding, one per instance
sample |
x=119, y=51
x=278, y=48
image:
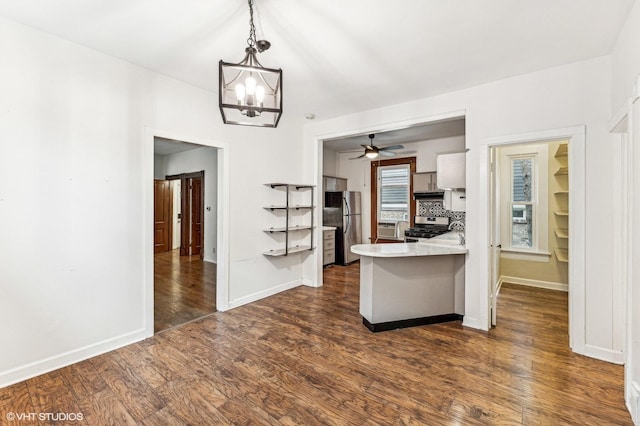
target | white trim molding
x=604, y=354
x=222, y=261
x=549, y=285
x=315, y=269
x=532, y=256
x=577, y=219
x=263, y=294
x=8, y=378
x=633, y=401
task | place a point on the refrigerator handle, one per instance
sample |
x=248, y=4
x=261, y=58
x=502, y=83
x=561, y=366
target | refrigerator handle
x=348, y=214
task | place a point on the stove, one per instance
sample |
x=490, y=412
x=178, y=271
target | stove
x=426, y=227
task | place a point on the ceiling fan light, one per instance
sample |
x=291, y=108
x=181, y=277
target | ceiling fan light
x=371, y=154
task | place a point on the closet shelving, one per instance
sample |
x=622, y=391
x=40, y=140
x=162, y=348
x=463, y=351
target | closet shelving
x=562, y=215
x=290, y=210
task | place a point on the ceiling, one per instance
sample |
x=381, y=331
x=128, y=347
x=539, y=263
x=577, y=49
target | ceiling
x=339, y=56
x=424, y=132
x=163, y=146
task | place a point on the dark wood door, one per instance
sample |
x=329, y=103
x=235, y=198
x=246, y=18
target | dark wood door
x=162, y=216
x=196, y=216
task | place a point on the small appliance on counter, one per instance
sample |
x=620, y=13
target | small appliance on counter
x=426, y=227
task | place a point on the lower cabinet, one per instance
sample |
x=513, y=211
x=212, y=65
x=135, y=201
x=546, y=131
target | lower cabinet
x=328, y=247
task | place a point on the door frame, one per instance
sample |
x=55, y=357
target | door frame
x=577, y=220
x=312, y=269
x=223, y=218
x=184, y=200
x=375, y=166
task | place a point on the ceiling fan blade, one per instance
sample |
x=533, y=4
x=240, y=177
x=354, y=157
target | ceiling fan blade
x=386, y=153
x=388, y=148
x=355, y=158
x=367, y=146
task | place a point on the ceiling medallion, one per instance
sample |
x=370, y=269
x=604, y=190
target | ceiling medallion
x=250, y=94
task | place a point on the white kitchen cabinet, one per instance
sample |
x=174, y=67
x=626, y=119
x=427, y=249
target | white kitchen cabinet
x=425, y=182
x=332, y=183
x=451, y=170
x=328, y=246
x=455, y=201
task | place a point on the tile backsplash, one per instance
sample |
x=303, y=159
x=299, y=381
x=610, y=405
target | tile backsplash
x=436, y=208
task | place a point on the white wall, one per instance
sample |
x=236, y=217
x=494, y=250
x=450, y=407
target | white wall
x=561, y=97
x=196, y=160
x=358, y=172
x=330, y=163
x=74, y=243
x=625, y=75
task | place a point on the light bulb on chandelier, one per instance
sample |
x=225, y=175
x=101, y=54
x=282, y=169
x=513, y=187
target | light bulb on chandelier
x=249, y=90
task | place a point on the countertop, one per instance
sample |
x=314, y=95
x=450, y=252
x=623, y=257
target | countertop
x=407, y=249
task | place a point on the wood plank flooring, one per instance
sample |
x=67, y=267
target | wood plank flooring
x=184, y=289
x=303, y=357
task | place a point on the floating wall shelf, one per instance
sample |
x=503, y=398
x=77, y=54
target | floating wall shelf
x=289, y=209
x=562, y=255
x=562, y=233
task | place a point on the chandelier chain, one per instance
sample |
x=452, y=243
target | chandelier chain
x=251, y=41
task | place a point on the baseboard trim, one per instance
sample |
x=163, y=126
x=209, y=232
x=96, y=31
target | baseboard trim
x=56, y=362
x=604, y=354
x=633, y=402
x=309, y=283
x=473, y=323
x=549, y=285
x=263, y=294
x=413, y=322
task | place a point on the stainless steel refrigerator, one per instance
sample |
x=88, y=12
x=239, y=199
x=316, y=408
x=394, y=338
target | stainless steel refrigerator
x=342, y=210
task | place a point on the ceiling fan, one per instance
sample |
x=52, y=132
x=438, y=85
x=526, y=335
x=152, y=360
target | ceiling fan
x=371, y=151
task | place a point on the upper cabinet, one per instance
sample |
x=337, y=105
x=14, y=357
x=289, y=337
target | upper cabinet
x=331, y=183
x=424, y=182
x=451, y=170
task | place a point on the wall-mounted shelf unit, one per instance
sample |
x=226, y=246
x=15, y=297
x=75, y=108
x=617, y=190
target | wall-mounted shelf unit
x=290, y=209
x=562, y=198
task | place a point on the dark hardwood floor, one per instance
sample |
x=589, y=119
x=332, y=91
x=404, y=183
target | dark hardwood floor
x=184, y=289
x=303, y=357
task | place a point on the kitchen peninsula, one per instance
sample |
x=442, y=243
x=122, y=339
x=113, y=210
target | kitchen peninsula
x=410, y=284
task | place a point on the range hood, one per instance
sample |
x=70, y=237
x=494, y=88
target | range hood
x=432, y=195
x=425, y=186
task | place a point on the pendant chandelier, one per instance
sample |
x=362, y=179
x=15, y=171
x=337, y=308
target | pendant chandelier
x=250, y=94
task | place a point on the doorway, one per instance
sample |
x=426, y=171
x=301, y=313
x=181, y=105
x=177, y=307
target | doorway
x=530, y=208
x=566, y=164
x=185, y=243
x=188, y=201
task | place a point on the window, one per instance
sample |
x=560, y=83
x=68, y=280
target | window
x=524, y=200
x=392, y=207
x=393, y=203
